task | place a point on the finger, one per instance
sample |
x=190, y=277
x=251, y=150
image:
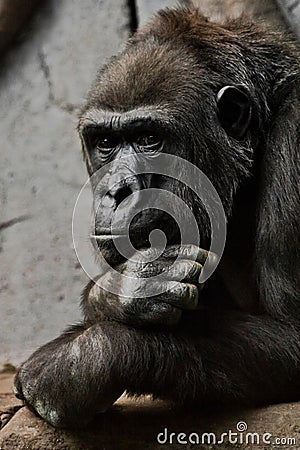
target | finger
x=147, y=312
x=184, y=270
x=133, y=303
x=181, y=269
x=145, y=269
x=180, y=295
x=187, y=251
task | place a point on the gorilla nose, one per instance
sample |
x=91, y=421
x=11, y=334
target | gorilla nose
x=123, y=189
x=121, y=194
x=118, y=204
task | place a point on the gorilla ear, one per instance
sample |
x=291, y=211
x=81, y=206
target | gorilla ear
x=234, y=110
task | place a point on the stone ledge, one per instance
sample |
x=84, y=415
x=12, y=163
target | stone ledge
x=136, y=423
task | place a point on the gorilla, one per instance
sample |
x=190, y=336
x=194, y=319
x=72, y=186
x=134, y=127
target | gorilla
x=224, y=97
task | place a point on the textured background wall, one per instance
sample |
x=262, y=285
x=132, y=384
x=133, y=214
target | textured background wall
x=43, y=81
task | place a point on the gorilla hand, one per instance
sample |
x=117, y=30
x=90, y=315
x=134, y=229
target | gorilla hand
x=132, y=302
x=70, y=379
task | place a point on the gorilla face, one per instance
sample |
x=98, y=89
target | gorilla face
x=144, y=103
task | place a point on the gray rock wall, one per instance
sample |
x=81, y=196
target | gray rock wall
x=43, y=81
x=291, y=11
x=146, y=9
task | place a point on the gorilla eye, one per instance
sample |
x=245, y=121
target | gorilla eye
x=107, y=142
x=149, y=142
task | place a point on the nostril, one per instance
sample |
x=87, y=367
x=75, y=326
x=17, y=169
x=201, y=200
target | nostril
x=122, y=193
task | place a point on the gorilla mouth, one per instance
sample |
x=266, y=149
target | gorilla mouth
x=140, y=237
x=148, y=228
x=107, y=234
x=139, y=231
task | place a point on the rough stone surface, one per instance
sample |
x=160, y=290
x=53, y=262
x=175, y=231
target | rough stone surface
x=136, y=424
x=146, y=9
x=43, y=81
x=291, y=10
x=259, y=9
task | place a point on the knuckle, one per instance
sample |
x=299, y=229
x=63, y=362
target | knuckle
x=189, y=250
x=191, y=295
x=171, y=251
x=51, y=414
x=185, y=269
x=164, y=313
x=23, y=387
x=151, y=311
x=194, y=268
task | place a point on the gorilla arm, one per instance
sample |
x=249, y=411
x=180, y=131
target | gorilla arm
x=210, y=356
x=246, y=359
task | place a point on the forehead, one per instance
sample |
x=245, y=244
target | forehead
x=145, y=74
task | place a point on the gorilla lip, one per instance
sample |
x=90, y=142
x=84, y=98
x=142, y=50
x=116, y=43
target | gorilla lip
x=106, y=236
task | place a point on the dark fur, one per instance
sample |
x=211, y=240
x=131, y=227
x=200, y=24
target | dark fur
x=245, y=346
